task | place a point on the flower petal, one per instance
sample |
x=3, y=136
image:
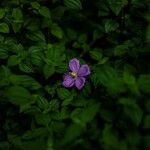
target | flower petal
x=68, y=81
x=74, y=65
x=84, y=71
x=79, y=82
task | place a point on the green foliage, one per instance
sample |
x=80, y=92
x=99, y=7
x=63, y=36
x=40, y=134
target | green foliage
x=4, y=28
x=117, y=5
x=37, y=40
x=110, y=139
x=57, y=31
x=18, y=95
x=144, y=83
x=73, y=4
x=132, y=110
x=17, y=17
x=110, y=25
x=147, y=122
x=109, y=78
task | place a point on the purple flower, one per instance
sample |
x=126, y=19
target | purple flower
x=77, y=75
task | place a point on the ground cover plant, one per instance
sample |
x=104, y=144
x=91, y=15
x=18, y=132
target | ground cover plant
x=50, y=102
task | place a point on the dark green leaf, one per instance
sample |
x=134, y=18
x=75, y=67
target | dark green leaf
x=2, y=13
x=73, y=4
x=132, y=110
x=44, y=11
x=48, y=70
x=144, y=83
x=147, y=122
x=37, y=36
x=4, y=28
x=57, y=31
x=25, y=81
x=13, y=60
x=117, y=5
x=63, y=93
x=18, y=95
x=111, y=25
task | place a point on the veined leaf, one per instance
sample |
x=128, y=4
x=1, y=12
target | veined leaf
x=111, y=25
x=73, y=4
x=117, y=5
x=18, y=95
x=25, y=81
x=48, y=70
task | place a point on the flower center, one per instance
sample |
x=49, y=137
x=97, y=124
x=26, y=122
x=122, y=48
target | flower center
x=74, y=74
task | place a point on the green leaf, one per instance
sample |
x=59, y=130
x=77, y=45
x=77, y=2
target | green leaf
x=2, y=13
x=25, y=81
x=3, y=52
x=103, y=9
x=128, y=78
x=44, y=11
x=96, y=55
x=16, y=26
x=63, y=93
x=73, y=4
x=13, y=60
x=57, y=31
x=147, y=122
x=42, y=102
x=111, y=25
x=48, y=71
x=53, y=53
x=132, y=110
x=62, y=68
x=89, y=113
x=18, y=95
x=82, y=38
x=25, y=68
x=109, y=138
x=72, y=132
x=103, y=61
x=35, y=5
x=117, y=5
x=97, y=34
x=36, y=56
x=53, y=105
x=17, y=15
x=4, y=28
x=67, y=101
x=144, y=83
x=120, y=50
x=4, y=76
x=85, y=115
x=37, y=36
x=108, y=77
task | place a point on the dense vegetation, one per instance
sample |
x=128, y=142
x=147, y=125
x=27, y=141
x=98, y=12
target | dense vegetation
x=38, y=38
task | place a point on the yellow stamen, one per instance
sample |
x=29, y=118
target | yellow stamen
x=74, y=74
